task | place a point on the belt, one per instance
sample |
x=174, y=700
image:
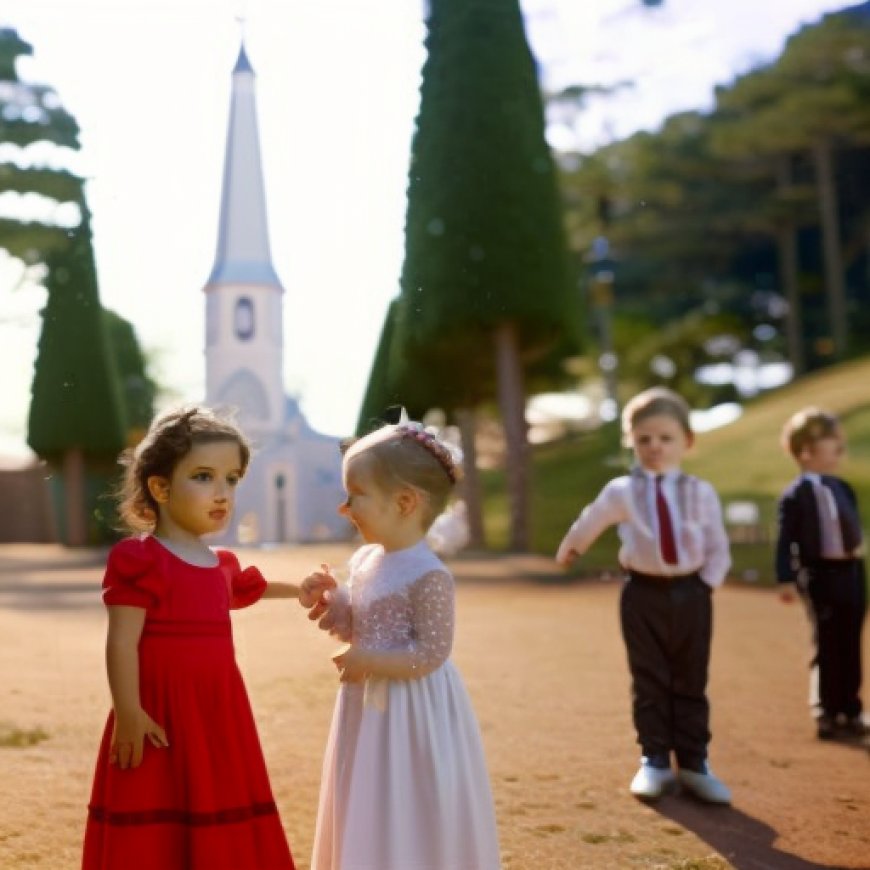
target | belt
x=659, y=579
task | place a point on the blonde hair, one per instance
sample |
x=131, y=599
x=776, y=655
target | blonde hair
x=807, y=426
x=169, y=439
x=407, y=455
x=655, y=402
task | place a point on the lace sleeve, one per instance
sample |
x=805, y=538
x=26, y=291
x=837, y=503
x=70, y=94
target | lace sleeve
x=432, y=599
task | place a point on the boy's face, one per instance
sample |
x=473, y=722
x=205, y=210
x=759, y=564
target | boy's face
x=823, y=455
x=660, y=442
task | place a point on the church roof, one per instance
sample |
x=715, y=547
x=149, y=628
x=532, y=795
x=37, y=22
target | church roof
x=243, y=254
x=242, y=63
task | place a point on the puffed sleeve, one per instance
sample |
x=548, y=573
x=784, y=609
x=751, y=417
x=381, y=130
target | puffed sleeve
x=246, y=587
x=133, y=577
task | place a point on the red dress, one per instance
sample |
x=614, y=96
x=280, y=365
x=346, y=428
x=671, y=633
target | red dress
x=205, y=802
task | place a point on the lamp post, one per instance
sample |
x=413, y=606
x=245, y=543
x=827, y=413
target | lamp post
x=601, y=299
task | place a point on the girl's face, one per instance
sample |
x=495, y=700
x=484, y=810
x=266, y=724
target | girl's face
x=368, y=506
x=660, y=442
x=197, y=499
x=823, y=455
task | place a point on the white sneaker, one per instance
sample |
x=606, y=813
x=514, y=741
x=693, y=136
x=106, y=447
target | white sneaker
x=705, y=786
x=651, y=782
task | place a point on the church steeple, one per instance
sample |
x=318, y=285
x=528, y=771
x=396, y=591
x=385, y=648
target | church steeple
x=244, y=297
x=243, y=253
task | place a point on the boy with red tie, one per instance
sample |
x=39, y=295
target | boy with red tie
x=674, y=550
x=818, y=553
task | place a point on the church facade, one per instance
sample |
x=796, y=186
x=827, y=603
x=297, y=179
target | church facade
x=292, y=488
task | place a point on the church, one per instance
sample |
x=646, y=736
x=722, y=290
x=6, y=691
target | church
x=293, y=487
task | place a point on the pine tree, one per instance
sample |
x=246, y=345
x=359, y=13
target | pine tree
x=812, y=101
x=76, y=418
x=32, y=113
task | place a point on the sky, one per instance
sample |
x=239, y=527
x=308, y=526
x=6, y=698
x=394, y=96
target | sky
x=337, y=94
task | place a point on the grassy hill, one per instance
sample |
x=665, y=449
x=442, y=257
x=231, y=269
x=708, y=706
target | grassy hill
x=743, y=461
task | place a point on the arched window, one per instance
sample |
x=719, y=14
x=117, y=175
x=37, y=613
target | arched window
x=243, y=319
x=243, y=390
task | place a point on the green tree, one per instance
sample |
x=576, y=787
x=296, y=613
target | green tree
x=812, y=100
x=783, y=206
x=381, y=391
x=138, y=390
x=76, y=413
x=32, y=113
x=485, y=286
x=76, y=416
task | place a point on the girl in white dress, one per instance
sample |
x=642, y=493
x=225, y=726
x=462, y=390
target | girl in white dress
x=404, y=785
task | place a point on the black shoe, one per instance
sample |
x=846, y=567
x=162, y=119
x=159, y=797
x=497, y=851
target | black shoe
x=826, y=728
x=856, y=727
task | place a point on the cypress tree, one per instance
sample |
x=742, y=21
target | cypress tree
x=485, y=289
x=76, y=417
x=381, y=391
x=138, y=390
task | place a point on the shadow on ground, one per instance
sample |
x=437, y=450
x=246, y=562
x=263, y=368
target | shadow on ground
x=746, y=842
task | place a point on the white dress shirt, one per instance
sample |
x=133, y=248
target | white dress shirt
x=628, y=502
x=831, y=535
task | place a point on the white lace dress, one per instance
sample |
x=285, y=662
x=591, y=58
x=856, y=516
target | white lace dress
x=404, y=785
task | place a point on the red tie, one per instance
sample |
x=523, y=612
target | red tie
x=666, y=529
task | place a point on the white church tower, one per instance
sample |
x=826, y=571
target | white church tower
x=293, y=485
x=244, y=334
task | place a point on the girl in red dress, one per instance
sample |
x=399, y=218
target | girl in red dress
x=180, y=781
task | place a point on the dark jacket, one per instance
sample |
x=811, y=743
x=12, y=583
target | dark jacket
x=799, y=542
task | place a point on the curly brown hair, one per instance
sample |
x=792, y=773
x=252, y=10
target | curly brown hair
x=169, y=439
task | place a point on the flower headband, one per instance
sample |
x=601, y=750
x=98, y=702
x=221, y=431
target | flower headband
x=416, y=432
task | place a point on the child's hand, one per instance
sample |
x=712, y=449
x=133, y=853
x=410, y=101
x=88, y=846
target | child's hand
x=128, y=737
x=313, y=589
x=350, y=661
x=566, y=556
x=334, y=613
x=787, y=593
x=321, y=608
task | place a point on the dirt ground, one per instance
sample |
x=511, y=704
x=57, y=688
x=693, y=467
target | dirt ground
x=544, y=663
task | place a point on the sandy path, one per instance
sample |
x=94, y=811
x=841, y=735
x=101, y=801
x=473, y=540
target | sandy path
x=544, y=664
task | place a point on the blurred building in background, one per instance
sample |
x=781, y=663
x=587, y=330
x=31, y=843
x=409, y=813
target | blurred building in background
x=293, y=485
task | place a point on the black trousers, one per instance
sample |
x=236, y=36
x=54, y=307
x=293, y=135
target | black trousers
x=667, y=625
x=836, y=599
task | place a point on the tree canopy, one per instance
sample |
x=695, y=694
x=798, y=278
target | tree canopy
x=758, y=210
x=486, y=291
x=90, y=388
x=77, y=400
x=484, y=236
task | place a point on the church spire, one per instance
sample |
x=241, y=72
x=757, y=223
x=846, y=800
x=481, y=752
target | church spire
x=244, y=340
x=243, y=254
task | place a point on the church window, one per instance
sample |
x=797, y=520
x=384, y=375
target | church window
x=243, y=319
